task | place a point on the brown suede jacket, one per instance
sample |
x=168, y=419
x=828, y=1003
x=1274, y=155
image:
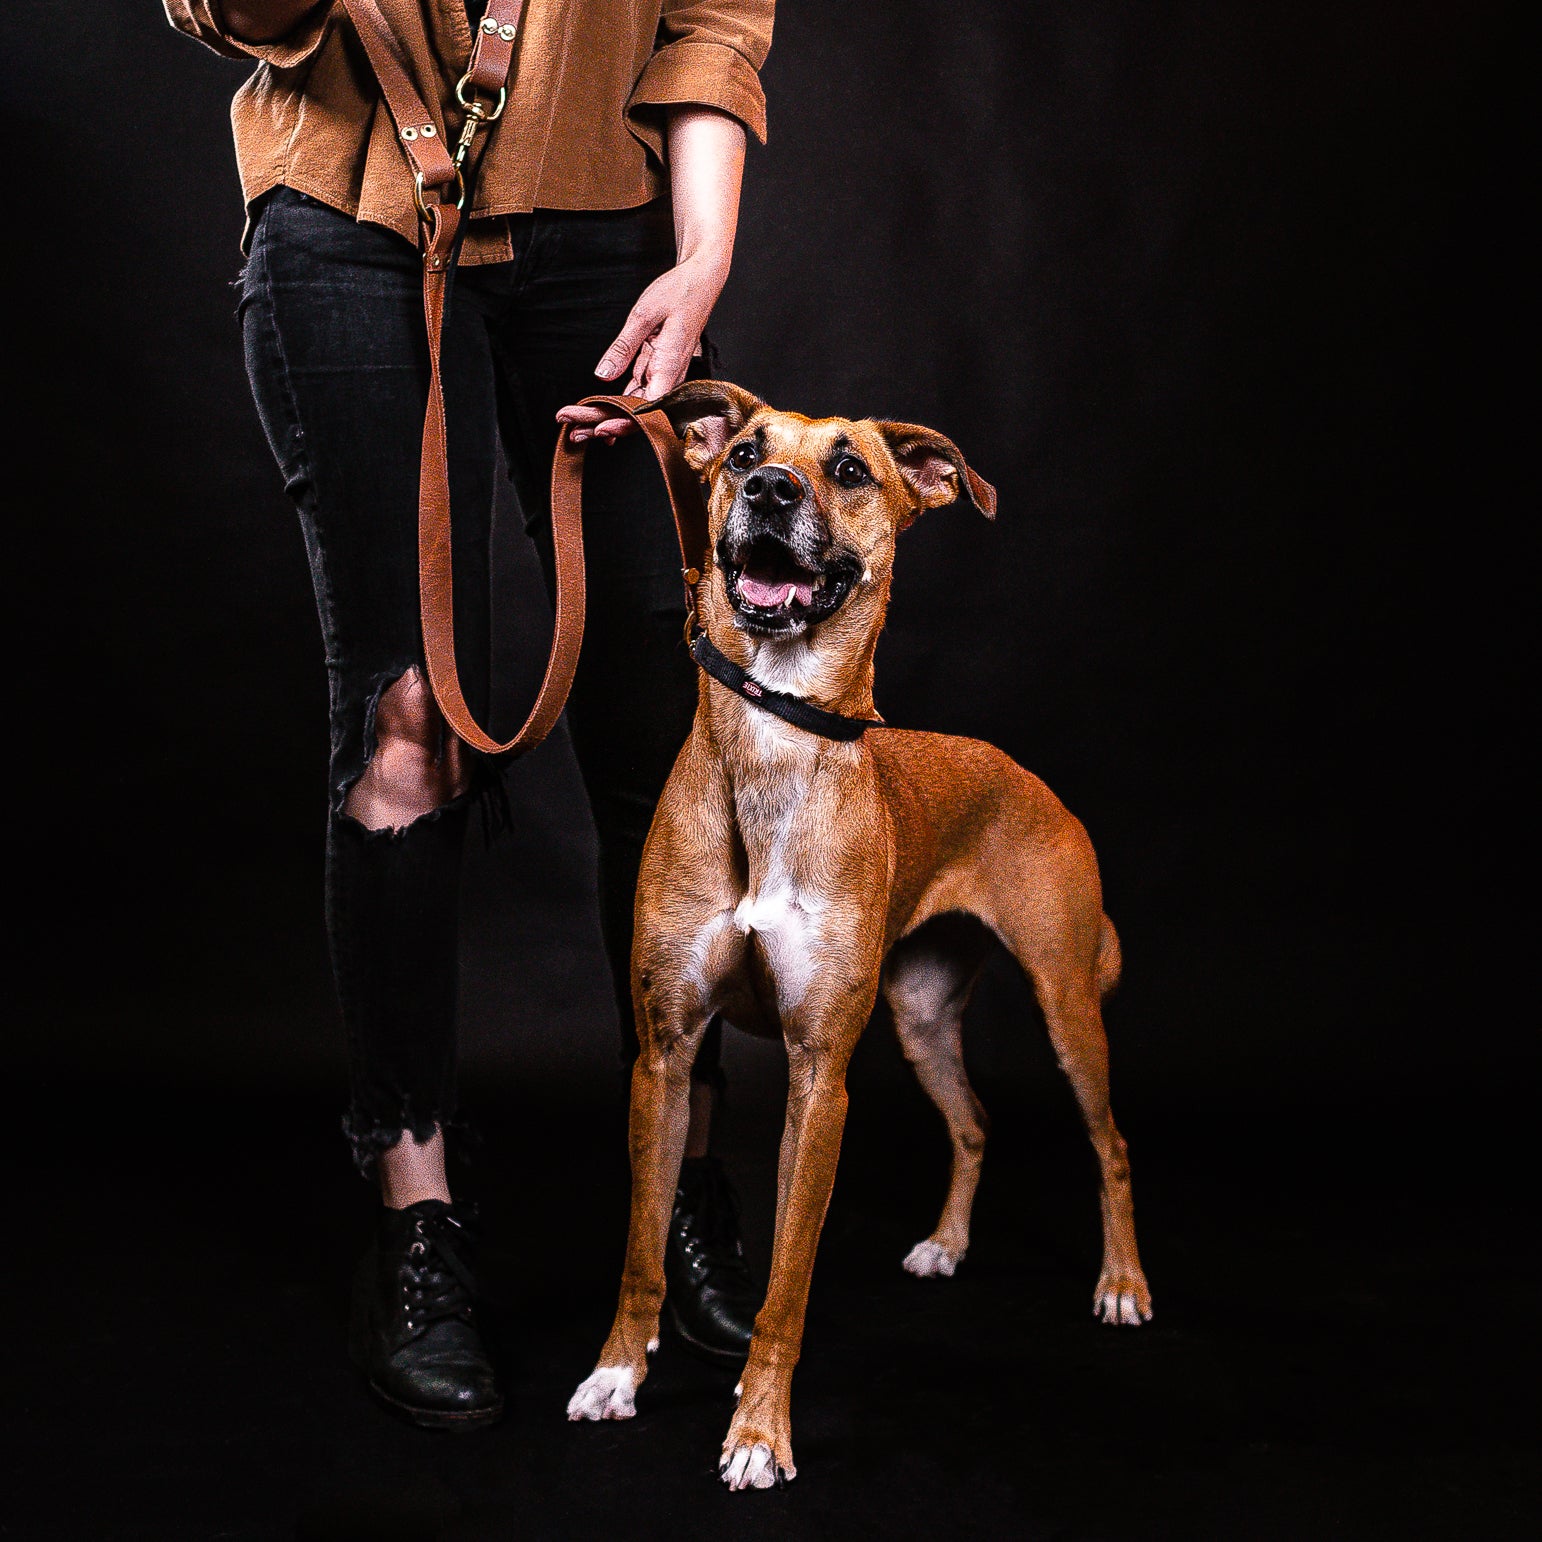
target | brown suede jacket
x=584, y=126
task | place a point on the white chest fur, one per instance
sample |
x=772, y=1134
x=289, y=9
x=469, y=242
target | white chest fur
x=782, y=910
x=789, y=923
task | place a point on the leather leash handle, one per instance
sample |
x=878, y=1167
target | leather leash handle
x=686, y=503
x=436, y=575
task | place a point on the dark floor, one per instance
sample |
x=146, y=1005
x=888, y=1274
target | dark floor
x=1344, y=1336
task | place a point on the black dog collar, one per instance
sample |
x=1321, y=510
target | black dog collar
x=791, y=709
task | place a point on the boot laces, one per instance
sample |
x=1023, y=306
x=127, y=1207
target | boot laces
x=436, y=1283
x=709, y=1230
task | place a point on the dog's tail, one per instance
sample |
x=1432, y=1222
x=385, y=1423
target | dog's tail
x=1110, y=960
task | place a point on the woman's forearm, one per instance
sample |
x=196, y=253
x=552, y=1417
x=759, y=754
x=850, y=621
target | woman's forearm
x=706, y=169
x=263, y=21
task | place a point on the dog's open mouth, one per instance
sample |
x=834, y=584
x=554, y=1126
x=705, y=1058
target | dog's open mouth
x=773, y=592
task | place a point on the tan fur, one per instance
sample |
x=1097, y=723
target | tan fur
x=787, y=878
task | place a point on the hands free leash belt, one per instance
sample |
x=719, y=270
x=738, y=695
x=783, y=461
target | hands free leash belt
x=439, y=173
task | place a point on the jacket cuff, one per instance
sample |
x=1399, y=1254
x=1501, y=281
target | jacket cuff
x=691, y=73
x=205, y=20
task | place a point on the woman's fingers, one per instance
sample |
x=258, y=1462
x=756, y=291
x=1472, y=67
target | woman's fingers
x=670, y=358
x=640, y=326
x=592, y=422
x=610, y=428
x=653, y=351
x=634, y=386
x=580, y=415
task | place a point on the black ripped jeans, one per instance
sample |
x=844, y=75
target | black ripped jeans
x=332, y=313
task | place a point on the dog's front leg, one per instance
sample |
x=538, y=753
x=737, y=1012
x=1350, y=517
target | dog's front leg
x=660, y=1115
x=758, y=1448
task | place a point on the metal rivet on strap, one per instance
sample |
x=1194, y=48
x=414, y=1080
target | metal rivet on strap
x=489, y=24
x=429, y=131
x=409, y=134
x=506, y=32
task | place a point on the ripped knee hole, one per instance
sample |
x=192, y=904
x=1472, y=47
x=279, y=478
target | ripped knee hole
x=415, y=764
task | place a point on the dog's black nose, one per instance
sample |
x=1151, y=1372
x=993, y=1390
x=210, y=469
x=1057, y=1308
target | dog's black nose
x=772, y=489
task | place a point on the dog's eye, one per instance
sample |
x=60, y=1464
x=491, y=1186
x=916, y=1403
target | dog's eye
x=849, y=471
x=743, y=455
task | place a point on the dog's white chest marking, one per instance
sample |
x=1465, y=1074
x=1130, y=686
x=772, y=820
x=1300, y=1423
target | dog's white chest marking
x=781, y=806
x=786, y=916
x=789, y=924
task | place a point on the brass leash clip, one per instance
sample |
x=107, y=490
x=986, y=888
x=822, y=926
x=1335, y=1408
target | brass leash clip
x=478, y=114
x=692, y=577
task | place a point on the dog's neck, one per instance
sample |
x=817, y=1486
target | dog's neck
x=831, y=667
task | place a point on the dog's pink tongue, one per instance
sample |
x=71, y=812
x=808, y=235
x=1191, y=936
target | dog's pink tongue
x=769, y=595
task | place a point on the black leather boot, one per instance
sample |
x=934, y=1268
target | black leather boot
x=711, y=1297
x=414, y=1331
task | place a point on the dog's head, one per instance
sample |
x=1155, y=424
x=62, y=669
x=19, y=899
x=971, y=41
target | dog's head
x=803, y=512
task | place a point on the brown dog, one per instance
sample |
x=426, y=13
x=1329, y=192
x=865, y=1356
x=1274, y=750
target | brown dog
x=788, y=876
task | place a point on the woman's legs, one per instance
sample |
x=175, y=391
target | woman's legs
x=332, y=313
x=336, y=352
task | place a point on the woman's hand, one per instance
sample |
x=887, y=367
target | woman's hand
x=654, y=349
x=659, y=339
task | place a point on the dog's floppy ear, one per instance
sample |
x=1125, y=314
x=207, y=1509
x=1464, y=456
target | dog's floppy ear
x=934, y=469
x=707, y=414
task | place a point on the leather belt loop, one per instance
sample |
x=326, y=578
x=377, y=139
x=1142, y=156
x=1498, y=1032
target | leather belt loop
x=419, y=130
x=492, y=49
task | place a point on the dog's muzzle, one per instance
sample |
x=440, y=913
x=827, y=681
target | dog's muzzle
x=783, y=571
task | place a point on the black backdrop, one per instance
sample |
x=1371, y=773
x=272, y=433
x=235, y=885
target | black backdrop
x=1221, y=297
x=1224, y=297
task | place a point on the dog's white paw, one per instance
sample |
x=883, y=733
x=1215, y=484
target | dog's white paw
x=929, y=1258
x=1122, y=1302
x=607, y=1394
x=751, y=1467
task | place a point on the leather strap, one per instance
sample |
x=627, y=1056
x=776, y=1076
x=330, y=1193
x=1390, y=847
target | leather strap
x=419, y=130
x=492, y=50
x=436, y=578
x=420, y=133
x=685, y=500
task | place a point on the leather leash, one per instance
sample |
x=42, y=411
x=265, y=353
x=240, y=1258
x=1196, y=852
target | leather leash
x=437, y=173
x=439, y=191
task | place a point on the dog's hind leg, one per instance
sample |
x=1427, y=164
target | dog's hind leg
x=1046, y=905
x=927, y=982
x=1073, y=1012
